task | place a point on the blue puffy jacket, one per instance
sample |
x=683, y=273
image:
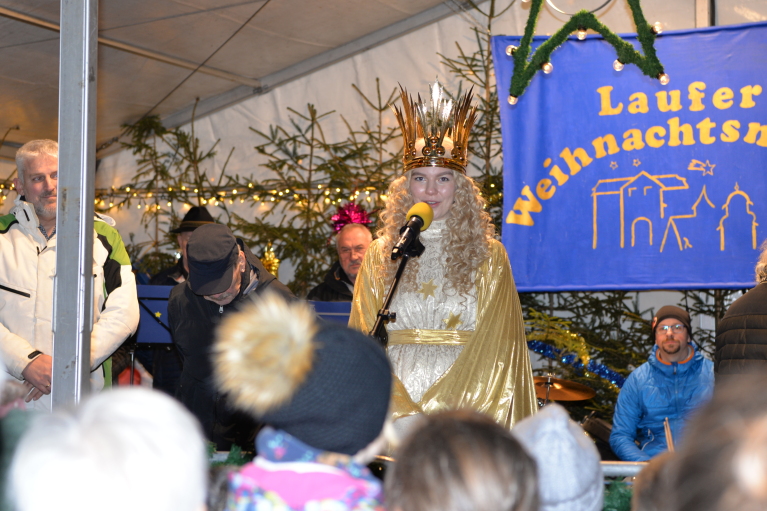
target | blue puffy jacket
x=653, y=392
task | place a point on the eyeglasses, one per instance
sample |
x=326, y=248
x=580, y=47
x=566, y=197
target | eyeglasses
x=671, y=328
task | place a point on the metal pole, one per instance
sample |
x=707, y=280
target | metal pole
x=73, y=284
x=704, y=13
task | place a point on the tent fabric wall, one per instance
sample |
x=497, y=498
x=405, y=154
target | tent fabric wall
x=411, y=60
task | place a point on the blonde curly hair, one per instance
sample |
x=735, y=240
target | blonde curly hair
x=469, y=231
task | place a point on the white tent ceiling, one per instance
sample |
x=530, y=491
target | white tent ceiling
x=149, y=51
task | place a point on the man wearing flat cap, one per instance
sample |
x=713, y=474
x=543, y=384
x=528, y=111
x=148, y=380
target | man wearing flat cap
x=223, y=274
x=674, y=381
x=165, y=363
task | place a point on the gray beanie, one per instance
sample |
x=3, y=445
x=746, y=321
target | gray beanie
x=569, y=471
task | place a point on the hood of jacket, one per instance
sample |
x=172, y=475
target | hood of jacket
x=672, y=368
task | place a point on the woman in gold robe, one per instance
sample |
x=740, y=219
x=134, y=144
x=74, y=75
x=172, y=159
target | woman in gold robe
x=458, y=339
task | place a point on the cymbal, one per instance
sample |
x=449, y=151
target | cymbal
x=561, y=390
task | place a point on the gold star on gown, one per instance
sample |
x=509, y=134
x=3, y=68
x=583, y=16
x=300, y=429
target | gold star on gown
x=453, y=321
x=427, y=289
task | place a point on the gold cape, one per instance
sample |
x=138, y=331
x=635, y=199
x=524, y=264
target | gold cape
x=493, y=373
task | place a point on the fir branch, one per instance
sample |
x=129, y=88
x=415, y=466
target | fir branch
x=524, y=70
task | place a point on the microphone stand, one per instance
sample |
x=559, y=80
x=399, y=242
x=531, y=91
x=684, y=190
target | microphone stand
x=378, y=332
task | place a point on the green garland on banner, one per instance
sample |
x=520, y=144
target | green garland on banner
x=582, y=20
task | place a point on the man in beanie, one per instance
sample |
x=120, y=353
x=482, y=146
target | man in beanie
x=197, y=216
x=568, y=464
x=323, y=392
x=674, y=381
x=223, y=274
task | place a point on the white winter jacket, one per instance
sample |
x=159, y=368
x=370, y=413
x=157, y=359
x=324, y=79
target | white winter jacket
x=27, y=268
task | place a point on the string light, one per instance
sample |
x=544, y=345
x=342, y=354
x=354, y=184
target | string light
x=152, y=199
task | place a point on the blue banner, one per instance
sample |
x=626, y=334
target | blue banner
x=614, y=181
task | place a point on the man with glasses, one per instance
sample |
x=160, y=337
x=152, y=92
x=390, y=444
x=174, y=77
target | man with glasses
x=674, y=381
x=352, y=241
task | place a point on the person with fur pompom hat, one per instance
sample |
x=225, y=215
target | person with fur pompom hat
x=323, y=392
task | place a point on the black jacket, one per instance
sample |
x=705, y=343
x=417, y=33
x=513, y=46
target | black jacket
x=741, y=336
x=169, y=276
x=334, y=288
x=193, y=320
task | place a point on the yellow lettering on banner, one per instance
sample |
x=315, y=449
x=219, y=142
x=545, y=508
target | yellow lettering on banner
x=632, y=140
x=599, y=146
x=754, y=129
x=638, y=103
x=722, y=98
x=556, y=172
x=569, y=158
x=747, y=95
x=676, y=100
x=674, y=134
x=607, y=108
x=545, y=189
x=730, y=131
x=525, y=207
x=695, y=94
x=675, y=129
x=704, y=131
x=651, y=135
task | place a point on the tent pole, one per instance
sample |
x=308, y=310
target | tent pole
x=73, y=283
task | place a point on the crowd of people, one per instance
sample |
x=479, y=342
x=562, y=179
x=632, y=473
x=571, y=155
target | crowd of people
x=450, y=396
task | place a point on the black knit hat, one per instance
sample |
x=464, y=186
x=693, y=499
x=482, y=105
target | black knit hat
x=672, y=311
x=325, y=384
x=342, y=405
x=212, y=255
x=196, y=216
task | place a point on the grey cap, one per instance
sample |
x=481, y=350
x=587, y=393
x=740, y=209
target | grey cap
x=212, y=255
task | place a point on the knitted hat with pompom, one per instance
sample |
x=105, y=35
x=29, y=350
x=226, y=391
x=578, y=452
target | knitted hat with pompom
x=325, y=384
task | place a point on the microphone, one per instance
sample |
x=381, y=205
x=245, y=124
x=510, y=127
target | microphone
x=418, y=219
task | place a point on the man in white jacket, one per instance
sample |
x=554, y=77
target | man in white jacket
x=27, y=270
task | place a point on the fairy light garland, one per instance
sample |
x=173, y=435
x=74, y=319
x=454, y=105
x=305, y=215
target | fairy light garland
x=153, y=199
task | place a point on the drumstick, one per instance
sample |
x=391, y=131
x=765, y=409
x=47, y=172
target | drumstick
x=669, y=438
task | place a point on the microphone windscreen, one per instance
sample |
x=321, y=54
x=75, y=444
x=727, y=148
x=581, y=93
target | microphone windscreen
x=424, y=211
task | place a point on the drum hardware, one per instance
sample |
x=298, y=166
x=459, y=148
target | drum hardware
x=599, y=431
x=550, y=388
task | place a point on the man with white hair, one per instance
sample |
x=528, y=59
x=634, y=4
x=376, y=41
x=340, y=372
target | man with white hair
x=27, y=271
x=121, y=450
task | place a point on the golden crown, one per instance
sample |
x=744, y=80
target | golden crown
x=436, y=134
